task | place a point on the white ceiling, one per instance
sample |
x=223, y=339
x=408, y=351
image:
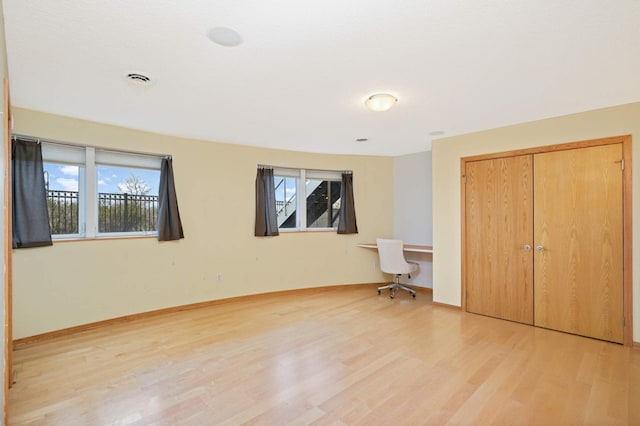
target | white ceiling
x=300, y=79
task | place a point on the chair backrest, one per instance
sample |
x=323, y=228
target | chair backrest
x=391, y=257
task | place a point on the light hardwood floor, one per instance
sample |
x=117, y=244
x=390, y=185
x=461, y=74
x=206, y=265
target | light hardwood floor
x=334, y=357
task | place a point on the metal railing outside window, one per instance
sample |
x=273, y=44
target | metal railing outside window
x=117, y=212
x=63, y=211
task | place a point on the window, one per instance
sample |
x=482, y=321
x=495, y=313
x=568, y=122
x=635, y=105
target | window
x=93, y=192
x=315, y=192
x=286, y=201
x=61, y=184
x=127, y=199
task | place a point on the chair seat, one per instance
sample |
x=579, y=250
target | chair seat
x=413, y=267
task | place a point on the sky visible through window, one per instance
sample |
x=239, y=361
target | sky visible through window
x=64, y=177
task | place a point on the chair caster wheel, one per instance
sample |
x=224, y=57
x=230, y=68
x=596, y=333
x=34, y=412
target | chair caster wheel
x=378, y=292
x=391, y=296
x=414, y=296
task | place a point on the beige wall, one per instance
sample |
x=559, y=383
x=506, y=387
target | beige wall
x=620, y=120
x=79, y=282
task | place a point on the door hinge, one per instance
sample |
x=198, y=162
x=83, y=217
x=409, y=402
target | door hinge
x=464, y=178
x=623, y=320
x=621, y=164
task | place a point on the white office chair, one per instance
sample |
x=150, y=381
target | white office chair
x=392, y=262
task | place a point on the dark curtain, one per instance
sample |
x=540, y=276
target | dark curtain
x=31, y=226
x=266, y=221
x=347, y=222
x=169, y=224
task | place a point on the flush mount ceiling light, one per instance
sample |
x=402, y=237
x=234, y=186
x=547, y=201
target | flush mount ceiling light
x=225, y=37
x=380, y=102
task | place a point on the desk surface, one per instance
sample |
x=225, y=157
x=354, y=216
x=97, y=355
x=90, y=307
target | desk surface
x=406, y=247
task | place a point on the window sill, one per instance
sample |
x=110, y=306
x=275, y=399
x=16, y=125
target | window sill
x=119, y=237
x=305, y=231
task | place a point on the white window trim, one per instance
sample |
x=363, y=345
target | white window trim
x=91, y=192
x=88, y=158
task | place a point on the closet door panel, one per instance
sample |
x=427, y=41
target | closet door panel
x=499, y=227
x=578, y=261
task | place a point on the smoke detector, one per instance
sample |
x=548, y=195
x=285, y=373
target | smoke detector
x=225, y=36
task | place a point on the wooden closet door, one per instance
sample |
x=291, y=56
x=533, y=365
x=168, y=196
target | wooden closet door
x=498, y=238
x=578, y=222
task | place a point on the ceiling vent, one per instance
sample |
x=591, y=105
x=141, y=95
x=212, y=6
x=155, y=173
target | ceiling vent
x=138, y=78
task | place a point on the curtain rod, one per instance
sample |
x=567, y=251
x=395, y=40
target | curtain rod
x=266, y=166
x=15, y=136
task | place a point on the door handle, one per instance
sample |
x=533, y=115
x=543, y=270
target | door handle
x=540, y=248
x=527, y=247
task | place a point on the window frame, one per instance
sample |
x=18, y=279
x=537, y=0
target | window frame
x=301, y=176
x=88, y=159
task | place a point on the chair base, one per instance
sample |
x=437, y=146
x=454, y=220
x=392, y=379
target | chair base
x=393, y=287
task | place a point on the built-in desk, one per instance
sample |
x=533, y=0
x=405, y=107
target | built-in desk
x=406, y=247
